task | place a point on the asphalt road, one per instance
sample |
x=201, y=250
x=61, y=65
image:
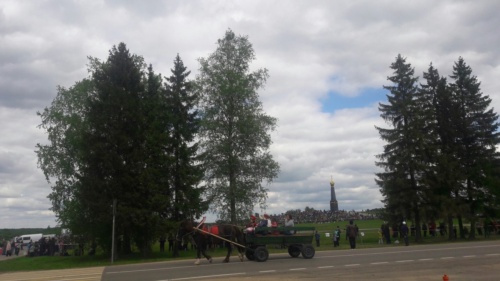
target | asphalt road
x=459, y=261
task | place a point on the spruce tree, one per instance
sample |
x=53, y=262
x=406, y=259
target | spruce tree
x=441, y=175
x=404, y=154
x=107, y=142
x=185, y=170
x=477, y=138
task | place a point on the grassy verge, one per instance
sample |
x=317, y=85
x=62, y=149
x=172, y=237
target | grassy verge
x=369, y=240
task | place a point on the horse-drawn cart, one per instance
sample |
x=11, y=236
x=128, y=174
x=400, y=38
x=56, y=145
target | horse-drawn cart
x=253, y=244
x=298, y=240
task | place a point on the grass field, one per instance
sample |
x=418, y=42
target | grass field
x=368, y=227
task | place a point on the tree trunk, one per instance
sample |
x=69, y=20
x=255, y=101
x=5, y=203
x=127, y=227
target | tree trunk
x=418, y=235
x=460, y=226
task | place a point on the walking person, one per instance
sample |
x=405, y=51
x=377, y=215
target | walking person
x=351, y=234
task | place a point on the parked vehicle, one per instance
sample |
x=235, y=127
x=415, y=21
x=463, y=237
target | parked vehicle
x=25, y=239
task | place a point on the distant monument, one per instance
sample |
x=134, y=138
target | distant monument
x=334, y=205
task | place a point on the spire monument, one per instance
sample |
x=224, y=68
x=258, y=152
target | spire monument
x=334, y=205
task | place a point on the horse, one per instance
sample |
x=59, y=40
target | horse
x=201, y=238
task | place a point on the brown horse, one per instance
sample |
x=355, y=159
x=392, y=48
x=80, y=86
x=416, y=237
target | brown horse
x=201, y=238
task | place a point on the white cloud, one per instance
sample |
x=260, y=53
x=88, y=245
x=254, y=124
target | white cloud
x=309, y=47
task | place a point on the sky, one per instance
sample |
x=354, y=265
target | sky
x=327, y=61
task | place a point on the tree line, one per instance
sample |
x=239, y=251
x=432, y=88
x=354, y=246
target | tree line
x=440, y=160
x=164, y=148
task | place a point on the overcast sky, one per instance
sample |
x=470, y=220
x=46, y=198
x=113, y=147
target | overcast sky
x=327, y=61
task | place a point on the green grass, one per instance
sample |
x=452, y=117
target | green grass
x=369, y=240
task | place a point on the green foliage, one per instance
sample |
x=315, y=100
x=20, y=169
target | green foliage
x=118, y=135
x=477, y=139
x=404, y=155
x=185, y=171
x=440, y=159
x=234, y=131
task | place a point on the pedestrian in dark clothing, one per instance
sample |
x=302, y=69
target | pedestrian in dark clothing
x=351, y=234
x=162, y=244
x=386, y=232
x=170, y=242
x=404, y=233
x=336, y=237
x=317, y=236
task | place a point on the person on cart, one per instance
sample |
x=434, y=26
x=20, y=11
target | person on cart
x=264, y=222
x=289, y=223
x=252, y=224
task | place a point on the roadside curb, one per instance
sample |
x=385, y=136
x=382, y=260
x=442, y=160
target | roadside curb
x=81, y=274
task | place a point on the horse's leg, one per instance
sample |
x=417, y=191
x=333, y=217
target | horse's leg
x=204, y=248
x=229, y=251
x=198, y=250
x=241, y=250
x=198, y=243
x=201, y=245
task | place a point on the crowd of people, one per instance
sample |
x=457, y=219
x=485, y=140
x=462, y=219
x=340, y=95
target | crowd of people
x=322, y=216
x=46, y=246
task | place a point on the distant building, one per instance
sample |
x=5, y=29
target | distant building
x=334, y=205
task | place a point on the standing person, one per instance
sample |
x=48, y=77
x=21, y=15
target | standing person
x=16, y=247
x=4, y=246
x=336, y=237
x=387, y=232
x=317, y=237
x=380, y=237
x=8, y=249
x=162, y=244
x=170, y=242
x=424, y=228
x=404, y=233
x=351, y=234
x=61, y=246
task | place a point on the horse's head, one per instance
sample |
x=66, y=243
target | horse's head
x=185, y=228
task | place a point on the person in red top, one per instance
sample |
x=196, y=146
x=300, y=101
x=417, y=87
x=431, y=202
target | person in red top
x=252, y=224
x=253, y=221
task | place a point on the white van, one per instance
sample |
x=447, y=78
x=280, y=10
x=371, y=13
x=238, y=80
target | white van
x=30, y=237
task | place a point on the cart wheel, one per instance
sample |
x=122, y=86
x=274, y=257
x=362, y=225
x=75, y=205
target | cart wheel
x=261, y=254
x=308, y=251
x=249, y=254
x=294, y=251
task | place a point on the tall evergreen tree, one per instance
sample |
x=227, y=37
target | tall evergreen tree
x=404, y=154
x=441, y=176
x=235, y=130
x=477, y=139
x=186, y=172
x=106, y=143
